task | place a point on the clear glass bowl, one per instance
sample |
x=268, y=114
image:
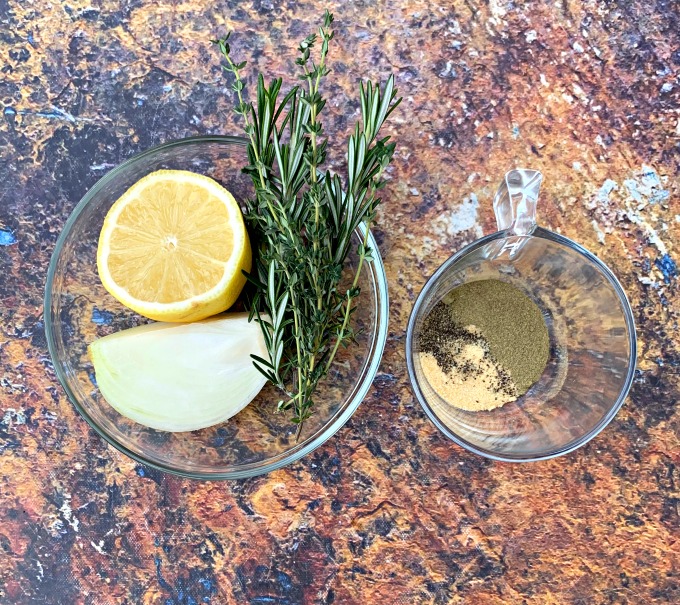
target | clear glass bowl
x=78, y=310
x=592, y=357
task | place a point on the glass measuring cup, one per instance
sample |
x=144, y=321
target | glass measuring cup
x=590, y=323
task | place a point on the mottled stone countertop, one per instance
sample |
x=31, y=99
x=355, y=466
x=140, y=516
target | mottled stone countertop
x=387, y=511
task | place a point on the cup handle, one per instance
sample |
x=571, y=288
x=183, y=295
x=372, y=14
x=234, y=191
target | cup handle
x=515, y=201
x=515, y=209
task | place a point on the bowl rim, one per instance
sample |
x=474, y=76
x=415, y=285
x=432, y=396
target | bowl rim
x=361, y=387
x=632, y=343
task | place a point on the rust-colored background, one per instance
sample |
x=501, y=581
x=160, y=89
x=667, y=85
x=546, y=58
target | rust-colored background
x=388, y=511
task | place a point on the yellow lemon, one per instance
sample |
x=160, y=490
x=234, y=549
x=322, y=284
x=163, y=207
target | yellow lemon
x=174, y=246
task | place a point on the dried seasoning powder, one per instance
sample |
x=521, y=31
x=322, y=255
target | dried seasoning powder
x=484, y=345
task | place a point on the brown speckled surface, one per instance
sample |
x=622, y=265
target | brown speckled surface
x=388, y=511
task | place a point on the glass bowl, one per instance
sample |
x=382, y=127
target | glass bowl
x=78, y=310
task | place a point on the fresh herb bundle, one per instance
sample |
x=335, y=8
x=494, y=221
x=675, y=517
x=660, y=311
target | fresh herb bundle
x=303, y=218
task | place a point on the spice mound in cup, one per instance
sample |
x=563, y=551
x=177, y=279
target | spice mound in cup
x=484, y=345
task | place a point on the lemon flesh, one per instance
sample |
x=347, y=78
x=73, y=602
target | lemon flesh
x=181, y=377
x=174, y=247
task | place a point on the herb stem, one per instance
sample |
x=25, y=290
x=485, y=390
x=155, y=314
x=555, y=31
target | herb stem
x=348, y=304
x=236, y=71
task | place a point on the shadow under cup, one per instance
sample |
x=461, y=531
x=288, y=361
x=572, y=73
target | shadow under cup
x=592, y=348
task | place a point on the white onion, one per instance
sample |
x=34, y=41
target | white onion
x=181, y=377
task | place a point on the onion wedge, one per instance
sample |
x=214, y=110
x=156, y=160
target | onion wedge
x=181, y=377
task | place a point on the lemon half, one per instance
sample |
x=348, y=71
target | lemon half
x=174, y=246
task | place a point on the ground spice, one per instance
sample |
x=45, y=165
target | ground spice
x=510, y=321
x=458, y=364
x=484, y=345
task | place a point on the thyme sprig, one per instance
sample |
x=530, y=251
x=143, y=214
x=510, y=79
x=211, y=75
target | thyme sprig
x=303, y=217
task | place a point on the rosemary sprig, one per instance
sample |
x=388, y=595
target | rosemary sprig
x=303, y=218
